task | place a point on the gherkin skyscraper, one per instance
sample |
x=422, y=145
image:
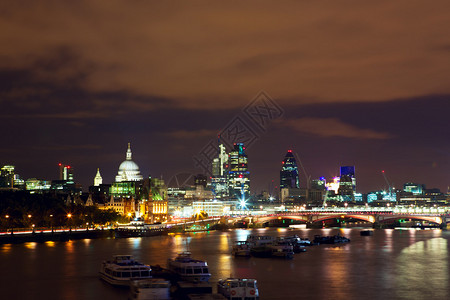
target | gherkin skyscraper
x=289, y=172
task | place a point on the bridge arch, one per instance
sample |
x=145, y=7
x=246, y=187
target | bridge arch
x=431, y=219
x=366, y=218
x=301, y=218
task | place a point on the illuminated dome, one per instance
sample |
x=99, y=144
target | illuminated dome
x=128, y=169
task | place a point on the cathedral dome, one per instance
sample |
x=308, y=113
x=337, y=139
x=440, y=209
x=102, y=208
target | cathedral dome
x=128, y=169
x=128, y=165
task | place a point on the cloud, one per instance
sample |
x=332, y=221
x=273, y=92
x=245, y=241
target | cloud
x=220, y=55
x=186, y=134
x=331, y=127
x=58, y=147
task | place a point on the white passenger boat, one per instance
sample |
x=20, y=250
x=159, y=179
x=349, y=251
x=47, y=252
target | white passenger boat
x=122, y=269
x=189, y=269
x=241, y=248
x=235, y=288
x=259, y=240
x=282, y=249
x=150, y=289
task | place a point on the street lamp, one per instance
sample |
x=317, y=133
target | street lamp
x=29, y=219
x=68, y=217
x=51, y=222
x=7, y=223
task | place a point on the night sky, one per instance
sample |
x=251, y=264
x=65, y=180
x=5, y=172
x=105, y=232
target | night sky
x=362, y=83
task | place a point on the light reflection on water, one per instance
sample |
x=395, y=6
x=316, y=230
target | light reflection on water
x=50, y=244
x=135, y=243
x=424, y=265
x=391, y=264
x=30, y=245
x=6, y=248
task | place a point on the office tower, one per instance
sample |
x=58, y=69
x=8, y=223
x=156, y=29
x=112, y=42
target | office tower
x=289, y=172
x=238, y=174
x=347, y=183
x=219, y=179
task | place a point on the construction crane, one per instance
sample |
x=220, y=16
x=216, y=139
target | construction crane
x=308, y=178
x=389, y=185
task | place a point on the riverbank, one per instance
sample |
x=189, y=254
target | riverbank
x=56, y=235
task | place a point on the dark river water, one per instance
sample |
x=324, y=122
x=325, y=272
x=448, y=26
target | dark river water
x=391, y=264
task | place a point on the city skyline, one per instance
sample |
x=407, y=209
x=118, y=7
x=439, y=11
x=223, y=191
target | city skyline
x=189, y=177
x=362, y=84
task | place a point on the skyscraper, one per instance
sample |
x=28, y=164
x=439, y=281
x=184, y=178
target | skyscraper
x=289, y=172
x=238, y=174
x=219, y=179
x=65, y=173
x=347, y=183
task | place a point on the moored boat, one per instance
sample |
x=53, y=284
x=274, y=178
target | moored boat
x=138, y=228
x=122, y=269
x=149, y=289
x=298, y=244
x=259, y=240
x=333, y=239
x=188, y=269
x=259, y=245
x=235, y=288
x=281, y=249
x=241, y=248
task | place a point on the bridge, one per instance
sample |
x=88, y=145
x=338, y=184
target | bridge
x=377, y=216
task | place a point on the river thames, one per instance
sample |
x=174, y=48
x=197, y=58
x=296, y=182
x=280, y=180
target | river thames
x=391, y=264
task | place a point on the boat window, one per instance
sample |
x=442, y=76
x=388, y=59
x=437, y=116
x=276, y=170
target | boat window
x=205, y=270
x=126, y=274
x=145, y=273
x=197, y=270
x=135, y=274
x=242, y=284
x=234, y=284
x=188, y=270
x=250, y=284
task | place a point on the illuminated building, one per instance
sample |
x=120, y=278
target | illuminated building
x=158, y=210
x=238, y=174
x=125, y=189
x=10, y=180
x=66, y=184
x=37, y=186
x=289, y=172
x=333, y=185
x=317, y=192
x=7, y=176
x=98, y=179
x=414, y=188
x=219, y=179
x=65, y=173
x=211, y=207
x=128, y=180
x=128, y=169
x=347, y=183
